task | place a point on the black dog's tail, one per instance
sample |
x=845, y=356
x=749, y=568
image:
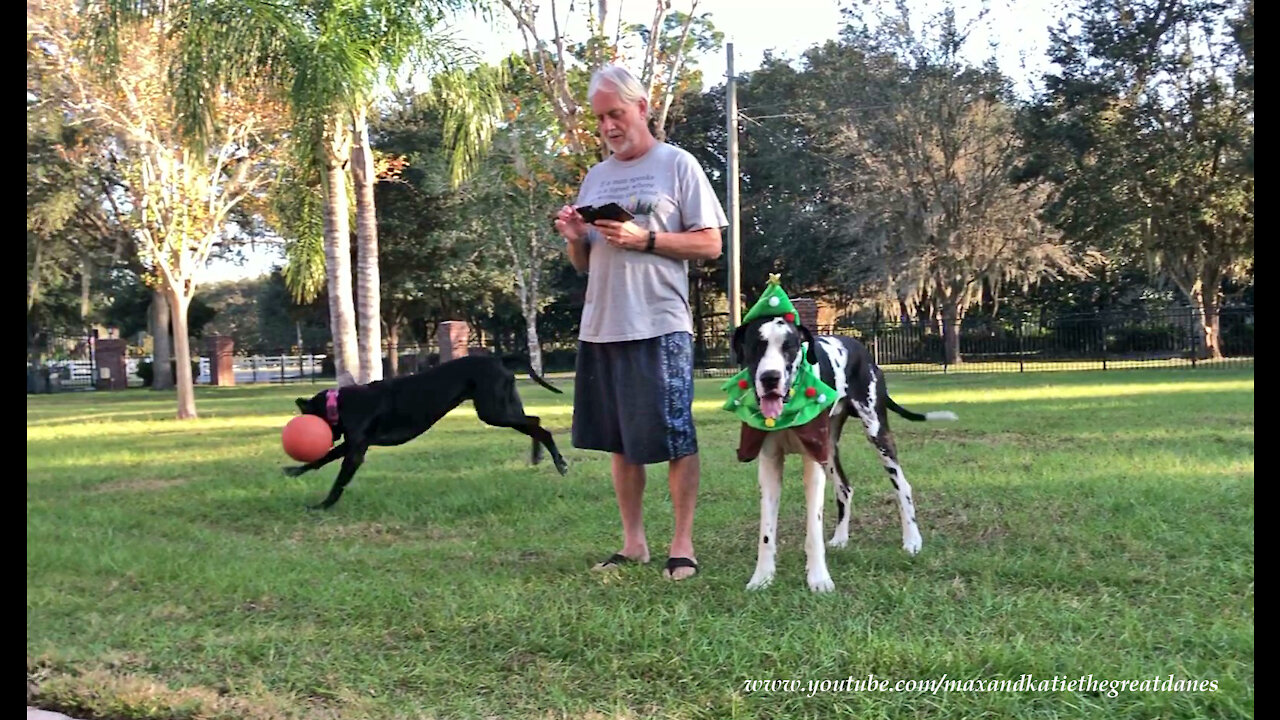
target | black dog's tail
x=538, y=379
x=917, y=417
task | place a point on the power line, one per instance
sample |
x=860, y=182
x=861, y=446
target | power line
x=779, y=136
x=787, y=115
x=970, y=151
x=809, y=112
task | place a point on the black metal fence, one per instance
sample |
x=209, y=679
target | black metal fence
x=1165, y=338
x=76, y=369
x=61, y=362
x=1102, y=341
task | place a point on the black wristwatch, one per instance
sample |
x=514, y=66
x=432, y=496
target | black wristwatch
x=653, y=237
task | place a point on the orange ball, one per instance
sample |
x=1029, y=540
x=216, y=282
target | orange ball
x=307, y=438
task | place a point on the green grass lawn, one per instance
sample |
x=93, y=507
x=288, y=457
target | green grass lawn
x=1074, y=524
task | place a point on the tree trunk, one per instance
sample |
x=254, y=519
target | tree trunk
x=668, y=92
x=528, y=290
x=1206, y=310
x=602, y=14
x=178, y=306
x=699, y=322
x=926, y=313
x=602, y=11
x=337, y=256
x=86, y=273
x=526, y=276
x=1206, y=307
x=369, y=295
x=33, y=277
x=650, y=71
x=535, y=347
x=951, y=317
x=1212, y=318
x=393, y=348
x=161, y=343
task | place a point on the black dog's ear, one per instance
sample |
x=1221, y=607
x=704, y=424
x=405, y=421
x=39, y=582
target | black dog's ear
x=739, y=335
x=302, y=404
x=812, y=354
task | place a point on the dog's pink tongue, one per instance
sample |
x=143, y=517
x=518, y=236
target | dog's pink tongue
x=771, y=406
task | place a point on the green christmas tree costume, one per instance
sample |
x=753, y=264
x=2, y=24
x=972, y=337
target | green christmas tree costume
x=808, y=402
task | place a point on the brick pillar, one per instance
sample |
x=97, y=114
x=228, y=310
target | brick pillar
x=807, y=308
x=112, y=370
x=221, y=370
x=452, y=336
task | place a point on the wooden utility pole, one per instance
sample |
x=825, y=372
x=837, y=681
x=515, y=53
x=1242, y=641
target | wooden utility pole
x=731, y=194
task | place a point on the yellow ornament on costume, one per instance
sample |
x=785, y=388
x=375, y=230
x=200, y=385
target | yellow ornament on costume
x=770, y=422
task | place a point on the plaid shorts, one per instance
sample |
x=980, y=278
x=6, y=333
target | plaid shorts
x=636, y=398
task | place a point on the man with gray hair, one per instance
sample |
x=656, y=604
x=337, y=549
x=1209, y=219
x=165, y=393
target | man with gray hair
x=634, y=387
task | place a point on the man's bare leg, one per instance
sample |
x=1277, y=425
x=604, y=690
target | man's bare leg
x=682, y=479
x=628, y=487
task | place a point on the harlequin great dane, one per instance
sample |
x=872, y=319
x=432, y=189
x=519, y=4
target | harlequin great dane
x=770, y=347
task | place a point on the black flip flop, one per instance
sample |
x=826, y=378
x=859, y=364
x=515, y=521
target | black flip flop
x=680, y=562
x=615, y=560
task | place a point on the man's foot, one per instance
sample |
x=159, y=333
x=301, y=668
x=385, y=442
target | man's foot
x=680, y=568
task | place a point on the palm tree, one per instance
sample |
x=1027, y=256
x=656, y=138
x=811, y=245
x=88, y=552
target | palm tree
x=328, y=60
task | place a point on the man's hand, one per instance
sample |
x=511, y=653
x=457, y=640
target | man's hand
x=625, y=235
x=570, y=224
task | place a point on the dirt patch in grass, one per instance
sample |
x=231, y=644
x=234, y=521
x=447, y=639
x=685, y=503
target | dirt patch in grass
x=376, y=532
x=141, y=485
x=1031, y=441
x=106, y=693
x=976, y=524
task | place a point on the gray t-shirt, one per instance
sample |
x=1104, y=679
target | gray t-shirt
x=637, y=295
